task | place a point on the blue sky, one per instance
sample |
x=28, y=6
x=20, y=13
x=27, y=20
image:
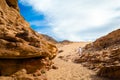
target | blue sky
x=75, y=20
x=36, y=20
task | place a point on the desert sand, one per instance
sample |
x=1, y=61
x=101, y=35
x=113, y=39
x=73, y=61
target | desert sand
x=67, y=70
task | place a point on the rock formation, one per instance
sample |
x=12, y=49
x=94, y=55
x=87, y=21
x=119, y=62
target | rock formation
x=22, y=50
x=111, y=39
x=103, y=55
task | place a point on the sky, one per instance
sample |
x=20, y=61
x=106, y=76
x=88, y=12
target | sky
x=74, y=20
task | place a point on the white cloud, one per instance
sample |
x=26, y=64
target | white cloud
x=68, y=18
x=38, y=23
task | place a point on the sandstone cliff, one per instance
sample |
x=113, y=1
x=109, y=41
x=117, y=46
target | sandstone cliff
x=21, y=48
x=103, y=55
x=111, y=39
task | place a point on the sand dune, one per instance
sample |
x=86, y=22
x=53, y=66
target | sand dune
x=67, y=70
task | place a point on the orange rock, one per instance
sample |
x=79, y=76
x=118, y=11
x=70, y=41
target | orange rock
x=20, y=46
x=103, y=55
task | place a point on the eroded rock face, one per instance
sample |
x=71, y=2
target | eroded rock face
x=10, y=67
x=103, y=55
x=17, y=39
x=111, y=39
x=20, y=46
x=110, y=71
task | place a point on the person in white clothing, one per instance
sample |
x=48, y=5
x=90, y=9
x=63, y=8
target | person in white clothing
x=80, y=51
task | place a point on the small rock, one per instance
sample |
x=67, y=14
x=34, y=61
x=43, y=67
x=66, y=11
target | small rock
x=60, y=51
x=61, y=57
x=54, y=67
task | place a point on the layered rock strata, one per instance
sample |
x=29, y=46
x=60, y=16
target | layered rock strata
x=103, y=55
x=21, y=48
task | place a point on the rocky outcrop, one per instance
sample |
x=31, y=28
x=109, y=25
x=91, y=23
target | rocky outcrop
x=103, y=55
x=111, y=39
x=110, y=71
x=21, y=48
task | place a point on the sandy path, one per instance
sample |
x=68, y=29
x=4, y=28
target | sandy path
x=68, y=70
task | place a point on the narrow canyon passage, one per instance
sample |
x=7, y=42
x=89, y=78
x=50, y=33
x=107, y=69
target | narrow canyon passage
x=67, y=70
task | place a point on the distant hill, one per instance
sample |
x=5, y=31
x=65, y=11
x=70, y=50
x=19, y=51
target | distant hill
x=65, y=42
x=49, y=38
